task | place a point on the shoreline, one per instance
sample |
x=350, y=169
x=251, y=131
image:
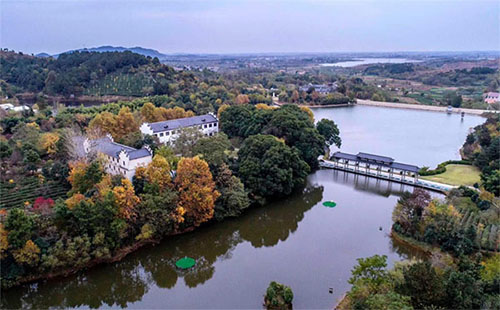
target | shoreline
x=421, y=107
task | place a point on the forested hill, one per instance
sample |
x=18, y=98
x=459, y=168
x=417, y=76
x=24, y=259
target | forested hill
x=85, y=73
x=120, y=74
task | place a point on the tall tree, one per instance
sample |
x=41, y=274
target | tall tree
x=196, y=189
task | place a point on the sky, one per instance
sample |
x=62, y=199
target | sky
x=251, y=26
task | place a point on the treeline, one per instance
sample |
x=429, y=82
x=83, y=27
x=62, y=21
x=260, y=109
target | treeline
x=466, y=284
x=482, y=147
x=464, y=225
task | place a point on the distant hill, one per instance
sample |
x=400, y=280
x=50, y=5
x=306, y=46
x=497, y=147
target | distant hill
x=43, y=55
x=137, y=49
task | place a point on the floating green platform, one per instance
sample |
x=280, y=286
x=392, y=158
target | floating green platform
x=329, y=204
x=185, y=263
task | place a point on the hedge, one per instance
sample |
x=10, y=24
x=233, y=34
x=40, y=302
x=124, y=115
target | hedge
x=441, y=168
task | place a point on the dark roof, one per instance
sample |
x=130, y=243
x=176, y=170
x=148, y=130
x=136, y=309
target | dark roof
x=107, y=146
x=367, y=156
x=340, y=155
x=182, y=122
x=401, y=166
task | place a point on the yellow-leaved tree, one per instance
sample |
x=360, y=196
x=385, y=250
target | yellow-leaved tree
x=158, y=172
x=4, y=242
x=29, y=254
x=196, y=189
x=126, y=199
x=48, y=142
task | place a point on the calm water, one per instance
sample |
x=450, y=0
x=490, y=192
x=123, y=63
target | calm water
x=296, y=241
x=367, y=61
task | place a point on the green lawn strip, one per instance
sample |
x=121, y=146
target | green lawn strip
x=457, y=175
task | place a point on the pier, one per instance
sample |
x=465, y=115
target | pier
x=381, y=167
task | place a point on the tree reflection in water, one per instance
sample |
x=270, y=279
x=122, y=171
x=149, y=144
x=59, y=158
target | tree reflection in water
x=125, y=282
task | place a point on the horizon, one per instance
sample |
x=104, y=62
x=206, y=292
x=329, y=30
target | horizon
x=222, y=27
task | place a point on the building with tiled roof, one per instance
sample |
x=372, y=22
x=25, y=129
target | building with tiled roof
x=120, y=159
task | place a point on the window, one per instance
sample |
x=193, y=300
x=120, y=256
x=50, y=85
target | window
x=210, y=125
x=205, y=126
x=124, y=163
x=161, y=134
x=167, y=133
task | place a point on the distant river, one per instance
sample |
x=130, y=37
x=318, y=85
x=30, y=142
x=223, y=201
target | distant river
x=367, y=61
x=296, y=241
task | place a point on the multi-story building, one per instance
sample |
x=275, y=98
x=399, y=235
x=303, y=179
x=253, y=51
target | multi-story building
x=491, y=97
x=120, y=159
x=168, y=131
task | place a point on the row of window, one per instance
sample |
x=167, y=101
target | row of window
x=168, y=133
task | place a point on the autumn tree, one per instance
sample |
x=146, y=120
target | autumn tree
x=157, y=172
x=126, y=199
x=148, y=112
x=125, y=123
x=242, y=99
x=4, y=242
x=83, y=176
x=28, y=255
x=196, y=189
x=48, y=142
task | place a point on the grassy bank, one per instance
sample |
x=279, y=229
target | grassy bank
x=457, y=175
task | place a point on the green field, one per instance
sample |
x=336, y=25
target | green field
x=456, y=175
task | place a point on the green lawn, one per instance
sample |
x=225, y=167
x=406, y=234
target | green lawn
x=456, y=175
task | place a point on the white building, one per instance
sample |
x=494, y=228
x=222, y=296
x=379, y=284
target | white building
x=120, y=159
x=491, y=97
x=168, y=131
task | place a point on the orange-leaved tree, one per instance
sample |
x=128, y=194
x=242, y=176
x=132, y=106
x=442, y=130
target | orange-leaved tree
x=157, y=172
x=196, y=189
x=126, y=199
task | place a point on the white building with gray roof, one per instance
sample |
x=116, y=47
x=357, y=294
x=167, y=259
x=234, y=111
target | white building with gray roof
x=120, y=159
x=168, y=131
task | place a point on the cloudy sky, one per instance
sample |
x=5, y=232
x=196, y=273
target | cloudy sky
x=239, y=26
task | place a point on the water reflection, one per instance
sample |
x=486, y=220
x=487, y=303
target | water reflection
x=125, y=282
x=370, y=184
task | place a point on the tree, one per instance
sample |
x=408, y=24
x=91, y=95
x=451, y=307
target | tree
x=269, y=168
x=424, y=286
x=196, y=189
x=370, y=271
x=83, y=176
x=408, y=212
x=125, y=124
x=4, y=241
x=126, y=199
x=148, y=112
x=242, y=99
x=20, y=227
x=28, y=255
x=5, y=150
x=169, y=154
x=157, y=172
x=212, y=149
x=233, y=199
x=49, y=142
x=329, y=130
x=186, y=140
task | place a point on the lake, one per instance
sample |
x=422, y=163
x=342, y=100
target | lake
x=368, y=61
x=296, y=241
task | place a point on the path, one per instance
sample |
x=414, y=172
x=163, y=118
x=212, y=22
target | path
x=420, y=107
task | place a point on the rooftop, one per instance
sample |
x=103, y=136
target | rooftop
x=182, y=122
x=383, y=160
x=107, y=146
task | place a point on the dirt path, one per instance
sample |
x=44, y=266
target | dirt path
x=420, y=107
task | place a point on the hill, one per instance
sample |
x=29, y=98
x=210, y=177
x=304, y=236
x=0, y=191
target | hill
x=107, y=48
